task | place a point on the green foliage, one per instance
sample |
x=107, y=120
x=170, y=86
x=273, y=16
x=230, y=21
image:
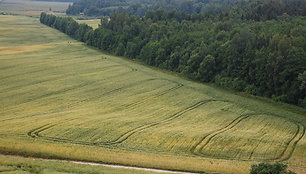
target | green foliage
x=252, y=10
x=207, y=68
x=139, y=7
x=265, y=168
x=10, y=164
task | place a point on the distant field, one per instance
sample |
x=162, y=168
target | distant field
x=61, y=99
x=91, y=22
x=32, y=8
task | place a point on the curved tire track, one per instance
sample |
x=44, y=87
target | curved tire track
x=205, y=140
x=291, y=145
x=141, y=128
x=197, y=149
x=35, y=132
x=285, y=154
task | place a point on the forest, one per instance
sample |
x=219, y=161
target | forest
x=205, y=7
x=252, y=49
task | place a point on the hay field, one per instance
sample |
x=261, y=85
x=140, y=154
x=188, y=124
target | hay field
x=94, y=23
x=33, y=8
x=61, y=99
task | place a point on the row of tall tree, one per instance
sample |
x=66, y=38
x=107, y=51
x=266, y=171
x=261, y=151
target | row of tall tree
x=265, y=57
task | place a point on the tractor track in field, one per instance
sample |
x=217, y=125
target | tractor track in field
x=291, y=144
x=253, y=150
x=285, y=154
x=206, y=139
x=35, y=133
x=132, y=105
x=126, y=135
x=196, y=150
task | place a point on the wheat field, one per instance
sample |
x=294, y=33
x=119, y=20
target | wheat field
x=62, y=99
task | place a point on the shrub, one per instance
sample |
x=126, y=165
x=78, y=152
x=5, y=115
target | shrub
x=266, y=168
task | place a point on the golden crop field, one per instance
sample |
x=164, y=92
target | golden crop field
x=62, y=99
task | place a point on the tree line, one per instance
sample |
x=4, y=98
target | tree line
x=260, y=57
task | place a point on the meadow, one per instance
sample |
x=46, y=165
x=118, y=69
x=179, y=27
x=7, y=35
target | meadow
x=62, y=99
x=19, y=165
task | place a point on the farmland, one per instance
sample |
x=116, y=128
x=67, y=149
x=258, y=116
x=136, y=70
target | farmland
x=32, y=8
x=62, y=99
x=90, y=22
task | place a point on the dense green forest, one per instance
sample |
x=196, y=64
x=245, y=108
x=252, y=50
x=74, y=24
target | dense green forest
x=256, y=52
x=255, y=9
x=140, y=7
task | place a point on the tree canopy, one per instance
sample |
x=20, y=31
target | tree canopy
x=256, y=10
x=266, y=168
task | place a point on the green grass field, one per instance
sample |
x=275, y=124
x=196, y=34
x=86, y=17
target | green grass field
x=18, y=165
x=62, y=99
